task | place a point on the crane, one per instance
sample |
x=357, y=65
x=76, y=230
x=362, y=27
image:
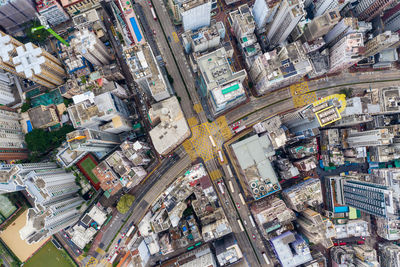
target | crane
x=46, y=26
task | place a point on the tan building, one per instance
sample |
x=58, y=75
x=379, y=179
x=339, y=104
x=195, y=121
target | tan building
x=380, y=42
x=43, y=117
x=321, y=25
x=74, y=7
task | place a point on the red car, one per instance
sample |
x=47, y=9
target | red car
x=342, y=243
x=238, y=206
x=360, y=242
x=254, y=236
x=335, y=244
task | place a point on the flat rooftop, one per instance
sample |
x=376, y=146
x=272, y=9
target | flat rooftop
x=216, y=69
x=252, y=155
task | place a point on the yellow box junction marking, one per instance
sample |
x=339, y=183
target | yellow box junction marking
x=176, y=39
x=192, y=121
x=100, y=251
x=215, y=175
x=198, y=108
x=92, y=262
x=187, y=145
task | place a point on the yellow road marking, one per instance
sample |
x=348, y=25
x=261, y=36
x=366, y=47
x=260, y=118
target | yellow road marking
x=100, y=251
x=215, y=175
x=176, y=39
x=198, y=108
x=192, y=121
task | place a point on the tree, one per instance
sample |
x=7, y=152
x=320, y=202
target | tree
x=347, y=92
x=124, y=203
x=37, y=140
x=26, y=106
x=38, y=36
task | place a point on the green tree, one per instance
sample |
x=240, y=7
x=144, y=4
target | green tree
x=124, y=203
x=38, y=36
x=37, y=140
x=346, y=91
x=26, y=106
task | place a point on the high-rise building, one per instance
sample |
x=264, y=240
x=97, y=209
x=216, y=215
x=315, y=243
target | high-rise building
x=52, y=11
x=318, y=229
x=365, y=256
x=279, y=68
x=54, y=193
x=304, y=194
x=90, y=111
x=92, y=140
x=75, y=7
x=219, y=83
x=389, y=254
x=263, y=12
x=195, y=14
x=391, y=19
x=323, y=6
x=380, y=42
x=291, y=249
x=136, y=152
x=342, y=256
x=91, y=48
x=369, y=9
x=14, y=13
x=346, y=52
x=145, y=70
x=376, y=137
x=43, y=116
x=321, y=25
x=12, y=142
x=290, y=12
x=30, y=62
x=6, y=92
x=342, y=28
x=374, y=199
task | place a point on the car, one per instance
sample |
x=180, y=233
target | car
x=360, y=242
x=335, y=244
x=254, y=236
x=342, y=243
x=154, y=32
x=123, y=235
x=78, y=251
x=66, y=236
x=116, y=246
x=237, y=205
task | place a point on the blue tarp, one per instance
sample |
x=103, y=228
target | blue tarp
x=341, y=209
x=136, y=29
x=29, y=124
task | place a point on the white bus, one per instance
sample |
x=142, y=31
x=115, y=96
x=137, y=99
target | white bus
x=252, y=221
x=242, y=199
x=113, y=257
x=231, y=186
x=240, y=225
x=266, y=258
x=221, y=188
x=229, y=171
x=130, y=231
x=221, y=157
x=212, y=141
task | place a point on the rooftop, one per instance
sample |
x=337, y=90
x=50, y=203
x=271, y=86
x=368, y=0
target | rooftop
x=252, y=154
x=171, y=128
x=216, y=70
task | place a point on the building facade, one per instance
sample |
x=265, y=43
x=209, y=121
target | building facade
x=52, y=11
x=14, y=13
x=369, y=9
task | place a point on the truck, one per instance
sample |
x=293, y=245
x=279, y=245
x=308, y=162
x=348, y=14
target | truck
x=240, y=225
x=229, y=171
x=153, y=13
x=242, y=199
x=252, y=221
x=130, y=231
x=221, y=188
x=266, y=258
x=231, y=186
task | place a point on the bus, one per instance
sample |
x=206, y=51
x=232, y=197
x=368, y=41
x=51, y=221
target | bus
x=266, y=258
x=229, y=171
x=231, y=186
x=153, y=13
x=240, y=225
x=212, y=140
x=112, y=258
x=242, y=199
x=252, y=221
x=130, y=231
x=221, y=188
x=221, y=157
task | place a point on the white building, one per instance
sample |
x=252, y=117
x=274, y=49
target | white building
x=290, y=12
x=171, y=129
x=280, y=68
x=90, y=111
x=90, y=47
x=353, y=228
x=196, y=14
x=92, y=140
x=52, y=11
x=6, y=92
x=145, y=70
x=346, y=52
x=54, y=194
x=377, y=137
x=322, y=6
x=219, y=83
x=263, y=12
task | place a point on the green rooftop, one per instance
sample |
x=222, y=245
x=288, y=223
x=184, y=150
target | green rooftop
x=244, y=39
x=230, y=89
